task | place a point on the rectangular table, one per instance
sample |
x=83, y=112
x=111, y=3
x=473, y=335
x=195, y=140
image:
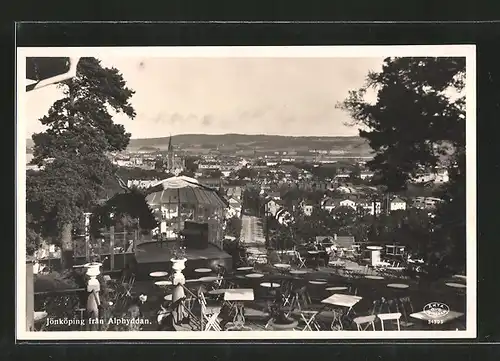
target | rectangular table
x=340, y=300
x=238, y=296
x=343, y=300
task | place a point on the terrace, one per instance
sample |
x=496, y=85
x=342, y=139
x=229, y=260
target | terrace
x=296, y=290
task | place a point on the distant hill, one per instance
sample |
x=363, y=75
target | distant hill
x=349, y=144
x=148, y=149
x=258, y=141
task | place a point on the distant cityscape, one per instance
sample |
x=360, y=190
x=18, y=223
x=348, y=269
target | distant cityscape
x=346, y=181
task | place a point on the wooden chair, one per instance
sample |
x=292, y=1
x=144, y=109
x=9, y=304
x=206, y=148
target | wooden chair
x=389, y=317
x=364, y=322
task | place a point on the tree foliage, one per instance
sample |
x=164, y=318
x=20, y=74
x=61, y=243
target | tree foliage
x=74, y=147
x=418, y=122
x=418, y=117
x=127, y=210
x=233, y=227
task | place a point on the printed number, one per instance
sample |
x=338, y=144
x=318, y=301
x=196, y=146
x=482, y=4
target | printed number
x=436, y=322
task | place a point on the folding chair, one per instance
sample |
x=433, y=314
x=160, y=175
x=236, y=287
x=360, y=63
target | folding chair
x=300, y=300
x=389, y=317
x=364, y=322
x=301, y=262
x=309, y=317
x=127, y=286
x=286, y=292
x=406, y=309
x=209, y=315
x=221, y=271
x=294, y=302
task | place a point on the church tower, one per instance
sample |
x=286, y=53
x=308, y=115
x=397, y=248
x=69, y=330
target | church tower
x=170, y=156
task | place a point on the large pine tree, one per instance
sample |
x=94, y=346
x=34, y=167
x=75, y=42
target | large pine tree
x=74, y=150
x=418, y=122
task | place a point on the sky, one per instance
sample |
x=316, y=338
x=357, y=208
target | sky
x=283, y=96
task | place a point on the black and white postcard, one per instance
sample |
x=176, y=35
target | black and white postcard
x=246, y=193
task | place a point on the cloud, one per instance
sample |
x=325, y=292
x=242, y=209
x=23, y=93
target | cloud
x=175, y=118
x=207, y=120
x=156, y=119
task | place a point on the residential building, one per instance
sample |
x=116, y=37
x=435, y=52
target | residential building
x=348, y=203
x=426, y=202
x=397, y=204
x=274, y=195
x=371, y=207
x=141, y=184
x=272, y=207
x=329, y=204
x=366, y=175
x=210, y=182
x=234, y=209
x=342, y=176
x=440, y=176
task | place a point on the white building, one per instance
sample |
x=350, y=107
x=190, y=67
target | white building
x=234, y=209
x=440, y=176
x=348, y=203
x=141, y=184
x=272, y=207
x=372, y=208
x=366, y=175
x=397, y=204
x=426, y=202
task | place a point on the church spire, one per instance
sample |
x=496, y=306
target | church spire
x=170, y=147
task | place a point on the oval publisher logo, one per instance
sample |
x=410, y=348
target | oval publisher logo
x=436, y=309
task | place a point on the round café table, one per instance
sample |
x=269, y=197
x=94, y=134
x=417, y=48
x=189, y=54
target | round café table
x=270, y=285
x=336, y=288
x=158, y=274
x=244, y=269
x=254, y=275
x=400, y=286
x=163, y=283
x=374, y=277
x=455, y=285
x=282, y=267
x=209, y=279
x=203, y=270
x=298, y=272
x=462, y=277
x=318, y=282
